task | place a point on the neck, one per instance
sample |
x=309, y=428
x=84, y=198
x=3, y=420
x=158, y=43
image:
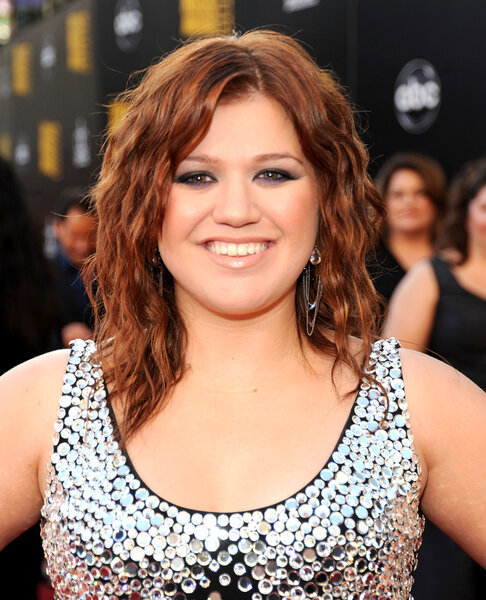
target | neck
x=410, y=247
x=476, y=253
x=233, y=352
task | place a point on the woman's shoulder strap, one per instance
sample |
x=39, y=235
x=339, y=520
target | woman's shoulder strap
x=385, y=371
x=82, y=383
x=383, y=348
x=443, y=273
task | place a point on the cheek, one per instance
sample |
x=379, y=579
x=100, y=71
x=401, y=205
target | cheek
x=476, y=221
x=393, y=207
x=304, y=227
x=176, y=225
x=428, y=210
x=170, y=234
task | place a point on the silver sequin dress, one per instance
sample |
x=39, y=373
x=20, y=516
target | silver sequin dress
x=352, y=533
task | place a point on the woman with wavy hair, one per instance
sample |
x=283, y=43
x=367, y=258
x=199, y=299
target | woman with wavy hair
x=414, y=189
x=236, y=431
x=440, y=308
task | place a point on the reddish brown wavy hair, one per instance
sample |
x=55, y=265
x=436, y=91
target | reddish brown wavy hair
x=140, y=334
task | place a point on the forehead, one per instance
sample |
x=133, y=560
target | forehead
x=405, y=177
x=76, y=218
x=253, y=124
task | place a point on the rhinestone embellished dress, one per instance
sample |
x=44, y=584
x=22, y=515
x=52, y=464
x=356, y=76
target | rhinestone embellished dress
x=351, y=533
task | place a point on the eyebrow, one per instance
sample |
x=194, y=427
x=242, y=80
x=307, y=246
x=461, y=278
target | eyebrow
x=208, y=159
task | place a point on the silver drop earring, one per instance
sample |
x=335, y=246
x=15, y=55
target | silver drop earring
x=311, y=308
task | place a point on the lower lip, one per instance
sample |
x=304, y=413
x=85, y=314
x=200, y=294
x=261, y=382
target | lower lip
x=237, y=262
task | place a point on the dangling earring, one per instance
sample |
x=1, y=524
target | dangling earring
x=315, y=257
x=157, y=271
x=310, y=321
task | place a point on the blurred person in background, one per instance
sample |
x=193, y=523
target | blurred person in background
x=75, y=231
x=28, y=325
x=440, y=307
x=414, y=189
x=28, y=315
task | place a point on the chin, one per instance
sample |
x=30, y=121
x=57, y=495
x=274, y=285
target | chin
x=234, y=302
x=238, y=312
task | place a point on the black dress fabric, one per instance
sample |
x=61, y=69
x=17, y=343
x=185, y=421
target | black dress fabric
x=459, y=332
x=385, y=271
x=445, y=571
x=72, y=298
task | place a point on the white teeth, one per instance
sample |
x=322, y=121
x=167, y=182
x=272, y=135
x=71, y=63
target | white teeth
x=232, y=249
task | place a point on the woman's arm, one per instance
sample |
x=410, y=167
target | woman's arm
x=448, y=420
x=411, y=312
x=29, y=399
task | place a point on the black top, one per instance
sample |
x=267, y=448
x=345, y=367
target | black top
x=385, y=271
x=445, y=572
x=72, y=298
x=459, y=330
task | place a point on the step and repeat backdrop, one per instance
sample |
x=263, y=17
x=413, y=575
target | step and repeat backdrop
x=416, y=71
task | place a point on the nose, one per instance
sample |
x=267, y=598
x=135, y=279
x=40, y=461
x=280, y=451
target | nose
x=236, y=204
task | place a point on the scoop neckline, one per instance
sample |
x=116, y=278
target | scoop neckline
x=192, y=511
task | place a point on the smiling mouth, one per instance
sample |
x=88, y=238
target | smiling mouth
x=232, y=249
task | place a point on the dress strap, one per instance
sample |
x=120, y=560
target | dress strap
x=445, y=278
x=81, y=388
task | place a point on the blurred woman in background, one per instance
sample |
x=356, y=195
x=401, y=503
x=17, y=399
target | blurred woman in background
x=414, y=189
x=28, y=326
x=28, y=315
x=440, y=307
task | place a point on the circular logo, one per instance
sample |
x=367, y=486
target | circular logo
x=417, y=96
x=48, y=57
x=128, y=24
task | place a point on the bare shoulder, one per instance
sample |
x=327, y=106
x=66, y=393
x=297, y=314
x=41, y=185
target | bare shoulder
x=42, y=373
x=420, y=275
x=448, y=421
x=411, y=311
x=29, y=399
x=422, y=269
x=440, y=399
x=428, y=369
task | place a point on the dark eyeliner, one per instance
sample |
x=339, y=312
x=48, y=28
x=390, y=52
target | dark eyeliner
x=284, y=175
x=186, y=177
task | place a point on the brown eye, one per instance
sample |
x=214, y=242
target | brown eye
x=274, y=175
x=195, y=178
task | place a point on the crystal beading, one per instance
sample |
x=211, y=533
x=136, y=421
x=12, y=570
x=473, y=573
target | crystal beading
x=353, y=532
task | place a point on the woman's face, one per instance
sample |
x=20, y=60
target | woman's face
x=409, y=208
x=242, y=216
x=476, y=218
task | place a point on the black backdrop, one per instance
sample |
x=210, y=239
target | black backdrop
x=451, y=34
x=52, y=132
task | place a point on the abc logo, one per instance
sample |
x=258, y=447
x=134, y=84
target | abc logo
x=417, y=96
x=128, y=24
